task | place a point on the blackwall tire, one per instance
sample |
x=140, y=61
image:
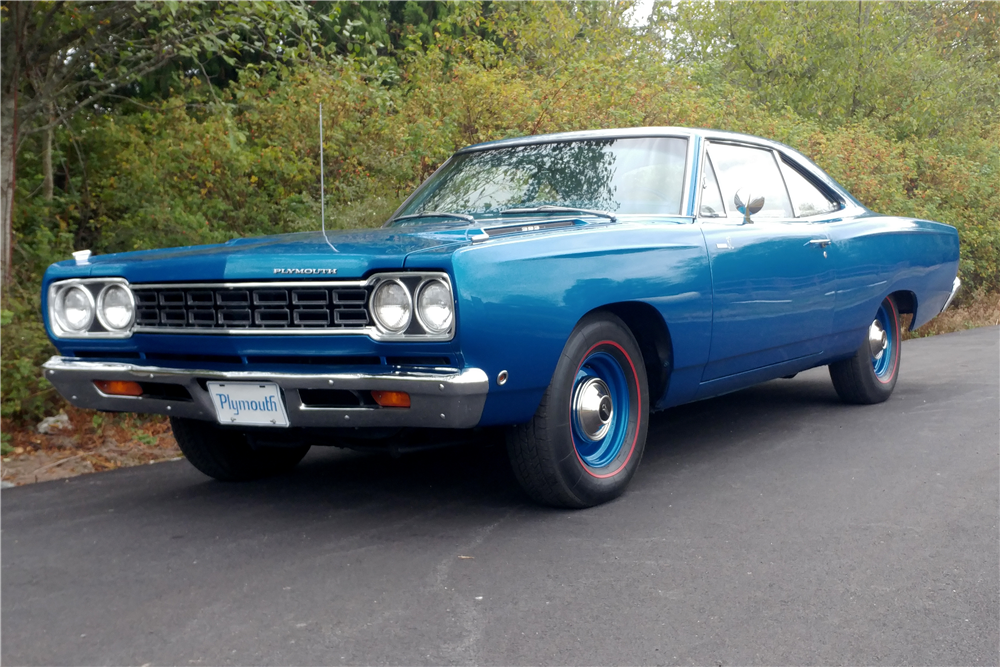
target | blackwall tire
x=226, y=455
x=580, y=450
x=869, y=377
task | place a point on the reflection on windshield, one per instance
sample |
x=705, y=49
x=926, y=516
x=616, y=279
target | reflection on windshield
x=642, y=175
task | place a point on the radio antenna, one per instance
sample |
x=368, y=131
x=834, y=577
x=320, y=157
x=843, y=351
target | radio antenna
x=322, y=183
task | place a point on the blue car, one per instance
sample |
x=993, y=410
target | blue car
x=562, y=286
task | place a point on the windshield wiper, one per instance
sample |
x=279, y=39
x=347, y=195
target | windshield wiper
x=436, y=214
x=560, y=209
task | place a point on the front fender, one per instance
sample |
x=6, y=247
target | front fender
x=520, y=298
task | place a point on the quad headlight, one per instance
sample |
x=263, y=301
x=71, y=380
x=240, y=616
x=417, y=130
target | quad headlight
x=93, y=307
x=116, y=307
x=392, y=306
x=74, y=309
x=435, y=306
x=408, y=306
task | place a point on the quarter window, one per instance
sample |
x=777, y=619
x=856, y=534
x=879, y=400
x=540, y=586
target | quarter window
x=754, y=169
x=806, y=198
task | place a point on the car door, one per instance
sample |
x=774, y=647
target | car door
x=772, y=278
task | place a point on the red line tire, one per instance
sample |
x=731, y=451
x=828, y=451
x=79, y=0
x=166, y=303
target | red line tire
x=864, y=379
x=546, y=453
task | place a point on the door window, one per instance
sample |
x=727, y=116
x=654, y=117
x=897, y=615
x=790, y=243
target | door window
x=806, y=198
x=754, y=169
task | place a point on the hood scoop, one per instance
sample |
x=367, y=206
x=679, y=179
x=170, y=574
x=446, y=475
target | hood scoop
x=487, y=233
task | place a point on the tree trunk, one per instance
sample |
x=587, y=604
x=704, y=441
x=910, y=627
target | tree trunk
x=8, y=109
x=47, y=157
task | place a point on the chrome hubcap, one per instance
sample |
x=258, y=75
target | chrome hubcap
x=877, y=339
x=593, y=408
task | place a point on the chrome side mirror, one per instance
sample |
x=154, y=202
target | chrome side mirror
x=747, y=209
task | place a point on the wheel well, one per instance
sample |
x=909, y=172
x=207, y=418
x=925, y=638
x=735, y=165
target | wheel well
x=906, y=302
x=650, y=331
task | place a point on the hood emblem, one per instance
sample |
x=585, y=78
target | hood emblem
x=306, y=272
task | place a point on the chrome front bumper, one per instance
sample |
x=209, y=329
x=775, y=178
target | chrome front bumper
x=445, y=399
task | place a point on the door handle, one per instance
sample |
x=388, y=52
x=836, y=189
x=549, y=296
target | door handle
x=822, y=243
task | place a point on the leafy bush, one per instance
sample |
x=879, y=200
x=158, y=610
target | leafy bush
x=203, y=165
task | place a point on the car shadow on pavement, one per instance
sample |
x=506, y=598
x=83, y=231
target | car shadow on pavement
x=479, y=474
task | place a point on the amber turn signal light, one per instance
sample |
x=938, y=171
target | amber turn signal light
x=392, y=399
x=123, y=388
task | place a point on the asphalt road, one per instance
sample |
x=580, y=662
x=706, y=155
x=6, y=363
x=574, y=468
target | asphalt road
x=772, y=526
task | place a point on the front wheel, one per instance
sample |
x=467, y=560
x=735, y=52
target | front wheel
x=587, y=437
x=226, y=453
x=870, y=375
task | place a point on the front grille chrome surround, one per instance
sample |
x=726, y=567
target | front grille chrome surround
x=281, y=308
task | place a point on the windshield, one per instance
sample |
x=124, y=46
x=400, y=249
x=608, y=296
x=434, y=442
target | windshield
x=642, y=175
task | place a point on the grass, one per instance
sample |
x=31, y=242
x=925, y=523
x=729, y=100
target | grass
x=971, y=311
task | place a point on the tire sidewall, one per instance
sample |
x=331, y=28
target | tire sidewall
x=600, y=333
x=881, y=388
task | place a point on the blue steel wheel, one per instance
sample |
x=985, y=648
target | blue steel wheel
x=587, y=436
x=870, y=375
x=883, y=338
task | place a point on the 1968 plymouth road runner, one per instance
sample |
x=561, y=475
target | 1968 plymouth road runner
x=563, y=286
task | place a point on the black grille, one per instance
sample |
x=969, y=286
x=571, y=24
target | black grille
x=251, y=308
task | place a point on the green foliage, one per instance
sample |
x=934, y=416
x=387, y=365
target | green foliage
x=919, y=69
x=207, y=163
x=25, y=392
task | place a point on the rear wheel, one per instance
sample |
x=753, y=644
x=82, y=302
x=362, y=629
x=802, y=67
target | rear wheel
x=870, y=375
x=586, y=439
x=226, y=454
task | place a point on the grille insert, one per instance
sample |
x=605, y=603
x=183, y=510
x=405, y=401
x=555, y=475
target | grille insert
x=256, y=308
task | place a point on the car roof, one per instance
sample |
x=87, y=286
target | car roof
x=622, y=133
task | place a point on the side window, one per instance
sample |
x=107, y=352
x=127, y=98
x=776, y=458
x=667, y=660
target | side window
x=711, y=196
x=806, y=198
x=755, y=169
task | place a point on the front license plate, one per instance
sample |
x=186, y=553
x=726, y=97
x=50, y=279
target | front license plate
x=248, y=403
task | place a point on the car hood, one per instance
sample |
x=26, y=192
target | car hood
x=348, y=254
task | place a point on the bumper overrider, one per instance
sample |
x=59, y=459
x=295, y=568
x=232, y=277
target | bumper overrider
x=438, y=399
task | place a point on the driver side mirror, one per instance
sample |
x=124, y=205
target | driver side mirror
x=747, y=204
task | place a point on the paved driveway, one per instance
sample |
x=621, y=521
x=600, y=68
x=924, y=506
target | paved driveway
x=770, y=526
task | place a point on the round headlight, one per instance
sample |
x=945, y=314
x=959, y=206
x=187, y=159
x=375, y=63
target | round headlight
x=392, y=306
x=75, y=309
x=435, y=309
x=115, y=307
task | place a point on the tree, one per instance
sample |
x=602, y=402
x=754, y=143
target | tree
x=923, y=68
x=61, y=58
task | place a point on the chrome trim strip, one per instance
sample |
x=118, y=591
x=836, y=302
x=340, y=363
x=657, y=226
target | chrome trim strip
x=439, y=398
x=951, y=297
x=258, y=284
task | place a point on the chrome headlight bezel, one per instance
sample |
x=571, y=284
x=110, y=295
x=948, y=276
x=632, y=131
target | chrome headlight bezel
x=422, y=318
x=379, y=321
x=96, y=327
x=416, y=330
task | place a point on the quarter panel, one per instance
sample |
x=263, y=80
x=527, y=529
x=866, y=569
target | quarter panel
x=879, y=255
